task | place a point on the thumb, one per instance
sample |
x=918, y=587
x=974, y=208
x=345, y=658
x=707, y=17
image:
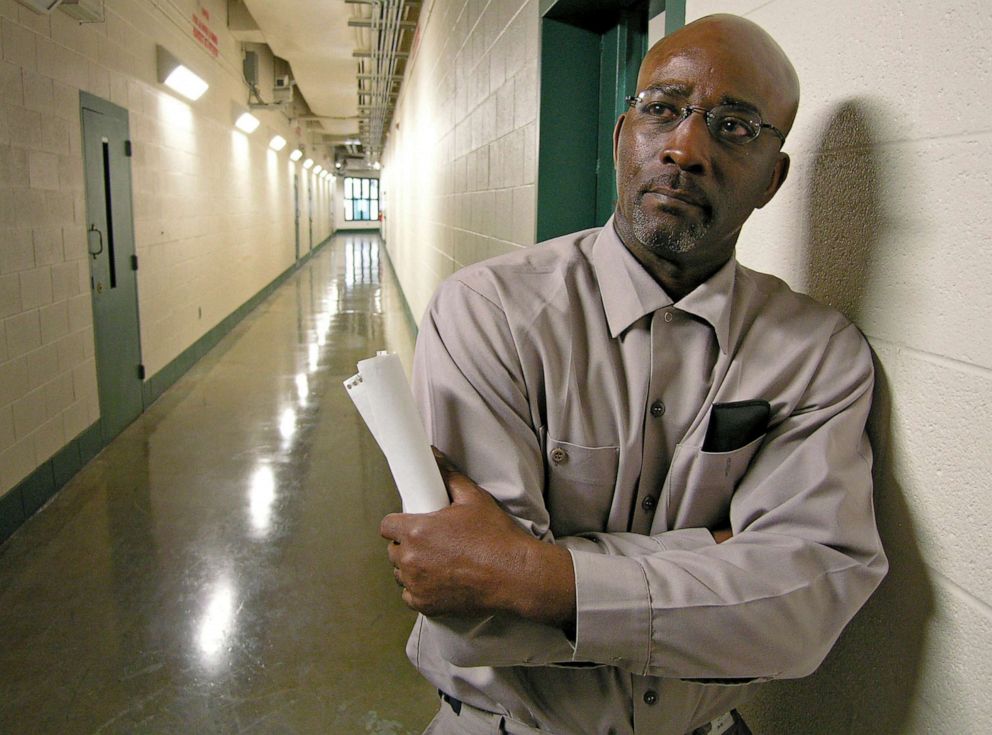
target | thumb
x=460, y=486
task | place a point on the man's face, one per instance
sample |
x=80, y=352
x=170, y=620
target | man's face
x=683, y=195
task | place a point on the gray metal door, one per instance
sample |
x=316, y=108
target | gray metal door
x=296, y=204
x=110, y=239
x=310, y=180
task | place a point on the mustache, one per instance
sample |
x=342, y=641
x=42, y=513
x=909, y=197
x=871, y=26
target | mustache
x=678, y=183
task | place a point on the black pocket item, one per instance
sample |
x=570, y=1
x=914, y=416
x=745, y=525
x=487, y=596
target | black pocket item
x=735, y=425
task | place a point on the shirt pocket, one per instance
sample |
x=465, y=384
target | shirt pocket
x=701, y=484
x=580, y=485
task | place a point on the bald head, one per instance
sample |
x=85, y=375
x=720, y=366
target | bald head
x=739, y=44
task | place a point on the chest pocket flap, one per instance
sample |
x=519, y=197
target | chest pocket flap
x=580, y=482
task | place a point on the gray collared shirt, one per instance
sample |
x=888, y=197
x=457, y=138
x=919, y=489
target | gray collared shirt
x=566, y=382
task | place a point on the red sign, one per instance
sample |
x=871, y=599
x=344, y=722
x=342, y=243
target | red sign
x=202, y=32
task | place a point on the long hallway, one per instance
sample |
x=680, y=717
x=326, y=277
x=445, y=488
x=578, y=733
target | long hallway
x=217, y=568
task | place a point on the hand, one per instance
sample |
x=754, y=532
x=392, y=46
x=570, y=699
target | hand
x=722, y=535
x=474, y=558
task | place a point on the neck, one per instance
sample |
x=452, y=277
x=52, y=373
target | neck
x=678, y=273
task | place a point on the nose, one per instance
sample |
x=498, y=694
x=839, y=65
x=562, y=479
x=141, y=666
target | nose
x=687, y=145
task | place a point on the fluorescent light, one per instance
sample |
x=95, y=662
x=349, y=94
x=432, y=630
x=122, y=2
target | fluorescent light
x=277, y=143
x=185, y=82
x=318, y=168
x=308, y=163
x=178, y=77
x=296, y=155
x=247, y=122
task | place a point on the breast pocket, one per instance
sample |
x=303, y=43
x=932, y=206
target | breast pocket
x=580, y=483
x=701, y=484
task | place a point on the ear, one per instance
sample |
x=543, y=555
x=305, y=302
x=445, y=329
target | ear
x=616, y=136
x=779, y=174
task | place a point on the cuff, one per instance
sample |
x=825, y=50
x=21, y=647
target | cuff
x=613, y=611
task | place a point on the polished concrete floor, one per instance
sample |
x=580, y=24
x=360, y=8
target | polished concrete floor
x=217, y=568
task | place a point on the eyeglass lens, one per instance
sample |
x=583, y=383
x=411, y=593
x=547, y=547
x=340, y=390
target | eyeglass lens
x=729, y=123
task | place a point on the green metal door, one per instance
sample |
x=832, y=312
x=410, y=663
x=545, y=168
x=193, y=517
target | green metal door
x=110, y=240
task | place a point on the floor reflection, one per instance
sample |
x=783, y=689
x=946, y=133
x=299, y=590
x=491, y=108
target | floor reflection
x=218, y=568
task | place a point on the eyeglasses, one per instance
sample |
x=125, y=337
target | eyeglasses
x=727, y=123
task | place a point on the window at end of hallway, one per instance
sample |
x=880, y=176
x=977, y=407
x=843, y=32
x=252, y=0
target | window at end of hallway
x=361, y=199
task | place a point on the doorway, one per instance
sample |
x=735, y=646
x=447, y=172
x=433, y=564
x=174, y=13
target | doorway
x=113, y=262
x=590, y=55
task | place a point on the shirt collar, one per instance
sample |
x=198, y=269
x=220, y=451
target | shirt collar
x=629, y=292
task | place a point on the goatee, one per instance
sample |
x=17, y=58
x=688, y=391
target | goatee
x=659, y=239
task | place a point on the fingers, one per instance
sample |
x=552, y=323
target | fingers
x=724, y=534
x=392, y=527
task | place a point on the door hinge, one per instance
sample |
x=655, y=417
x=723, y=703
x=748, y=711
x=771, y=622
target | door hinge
x=141, y=372
x=134, y=262
x=127, y=148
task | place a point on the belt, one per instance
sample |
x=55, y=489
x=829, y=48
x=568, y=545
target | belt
x=730, y=722
x=455, y=704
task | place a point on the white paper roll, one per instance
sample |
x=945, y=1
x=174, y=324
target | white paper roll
x=382, y=395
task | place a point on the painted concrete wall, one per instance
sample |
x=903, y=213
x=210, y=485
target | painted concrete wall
x=459, y=167
x=885, y=216
x=213, y=209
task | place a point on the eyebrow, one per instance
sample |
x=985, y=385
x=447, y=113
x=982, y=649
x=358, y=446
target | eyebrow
x=683, y=91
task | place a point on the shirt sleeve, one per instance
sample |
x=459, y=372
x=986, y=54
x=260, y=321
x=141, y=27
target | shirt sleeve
x=674, y=604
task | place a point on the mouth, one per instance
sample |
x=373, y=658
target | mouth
x=678, y=195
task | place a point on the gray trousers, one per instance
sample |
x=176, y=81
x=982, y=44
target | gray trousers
x=472, y=721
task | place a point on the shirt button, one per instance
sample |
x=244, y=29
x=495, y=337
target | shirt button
x=558, y=455
x=668, y=316
x=650, y=696
x=657, y=409
x=649, y=503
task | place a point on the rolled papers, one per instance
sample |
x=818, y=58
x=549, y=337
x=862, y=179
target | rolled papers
x=381, y=394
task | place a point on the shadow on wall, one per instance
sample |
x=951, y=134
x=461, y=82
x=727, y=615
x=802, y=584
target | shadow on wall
x=868, y=682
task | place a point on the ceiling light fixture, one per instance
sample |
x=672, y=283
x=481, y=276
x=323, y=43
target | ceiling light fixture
x=296, y=155
x=308, y=163
x=277, y=143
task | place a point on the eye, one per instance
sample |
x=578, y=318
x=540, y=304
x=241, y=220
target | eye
x=661, y=110
x=737, y=127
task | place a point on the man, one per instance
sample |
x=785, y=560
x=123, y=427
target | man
x=674, y=494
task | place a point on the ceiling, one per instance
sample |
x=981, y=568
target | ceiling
x=314, y=36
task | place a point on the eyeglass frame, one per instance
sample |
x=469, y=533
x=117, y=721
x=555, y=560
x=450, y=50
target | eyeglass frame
x=707, y=114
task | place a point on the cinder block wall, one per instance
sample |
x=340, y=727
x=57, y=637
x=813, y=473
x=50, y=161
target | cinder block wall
x=213, y=209
x=459, y=167
x=885, y=216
